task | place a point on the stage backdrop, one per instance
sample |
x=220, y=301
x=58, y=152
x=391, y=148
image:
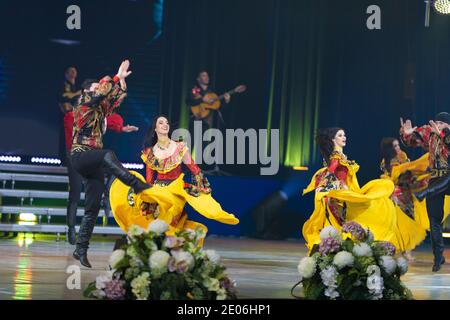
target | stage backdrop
x=310, y=64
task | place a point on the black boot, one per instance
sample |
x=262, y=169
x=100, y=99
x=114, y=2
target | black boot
x=81, y=255
x=72, y=236
x=114, y=166
x=84, y=235
x=438, y=264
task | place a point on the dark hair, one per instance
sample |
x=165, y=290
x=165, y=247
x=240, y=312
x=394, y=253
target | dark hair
x=443, y=116
x=70, y=67
x=324, y=139
x=151, y=138
x=87, y=83
x=200, y=72
x=387, y=152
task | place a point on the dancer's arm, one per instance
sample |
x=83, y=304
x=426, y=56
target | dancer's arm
x=199, y=181
x=149, y=175
x=115, y=123
x=338, y=170
x=413, y=136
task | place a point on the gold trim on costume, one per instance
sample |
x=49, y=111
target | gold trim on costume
x=165, y=165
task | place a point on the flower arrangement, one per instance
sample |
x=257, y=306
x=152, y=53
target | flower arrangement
x=155, y=266
x=350, y=265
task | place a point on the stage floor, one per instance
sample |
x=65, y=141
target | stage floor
x=36, y=268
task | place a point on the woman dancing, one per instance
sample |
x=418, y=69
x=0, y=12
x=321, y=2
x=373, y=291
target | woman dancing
x=169, y=193
x=408, y=177
x=339, y=198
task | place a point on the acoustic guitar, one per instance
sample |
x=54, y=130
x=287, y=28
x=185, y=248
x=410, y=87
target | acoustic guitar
x=203, y=110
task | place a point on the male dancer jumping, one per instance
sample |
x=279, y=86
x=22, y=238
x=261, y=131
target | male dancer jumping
x=114, y=123
x=87, y=156
x=434, y=138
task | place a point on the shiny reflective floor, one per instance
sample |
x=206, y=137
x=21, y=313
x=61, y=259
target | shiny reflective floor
x=37, y=268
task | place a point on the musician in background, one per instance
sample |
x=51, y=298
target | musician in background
x=198, y=95
x=70, y=92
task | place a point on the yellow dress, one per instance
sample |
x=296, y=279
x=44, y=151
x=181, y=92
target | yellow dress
x=370, y=206
x=168, y=199
x=418, y=169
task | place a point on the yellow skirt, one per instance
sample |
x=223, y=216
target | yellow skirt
x=371, y=207
x=171, y=200
x=418, y=168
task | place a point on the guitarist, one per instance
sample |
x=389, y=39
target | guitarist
x=198, y=95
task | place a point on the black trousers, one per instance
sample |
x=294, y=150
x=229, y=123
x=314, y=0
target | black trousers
x=435, y=208
x=75, y=186
x=90, y=165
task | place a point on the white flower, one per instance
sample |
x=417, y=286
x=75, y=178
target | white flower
x=221, y=294
x=329, y=276
x=375, y=286
x=103, y=278
x=183, y=260
x=331, y=293
x=116, y=257
x=212, y=284
x=343, y=259
x=213, y=256
x=388, y=263
x=362, y=250
x=307, y=267
x=373, y=269
x=330, y=232
x=158, y=226
x=159, y=259
x=134, y=231
x=100, y=294
x=402, y=265
x=375, y=282
x=329, y=279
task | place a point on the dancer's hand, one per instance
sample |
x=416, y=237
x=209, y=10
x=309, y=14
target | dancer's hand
x=123, y=70
x=435, y=127
x=406, y=127
x=128, y=129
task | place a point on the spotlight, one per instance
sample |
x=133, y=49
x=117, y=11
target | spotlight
x=10, y=159
x=27, y=217
x=134, y=166
x=300, y=168
x=45, y=160
x=442, y=6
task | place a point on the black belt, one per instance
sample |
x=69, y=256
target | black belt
x=437, y=173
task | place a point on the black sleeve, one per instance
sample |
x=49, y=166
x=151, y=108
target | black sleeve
x=93, y=99
x=447, y=137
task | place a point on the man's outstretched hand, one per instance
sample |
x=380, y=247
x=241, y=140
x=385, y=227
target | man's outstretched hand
x=123, y=70
x=128, y=129
x=406, y=127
